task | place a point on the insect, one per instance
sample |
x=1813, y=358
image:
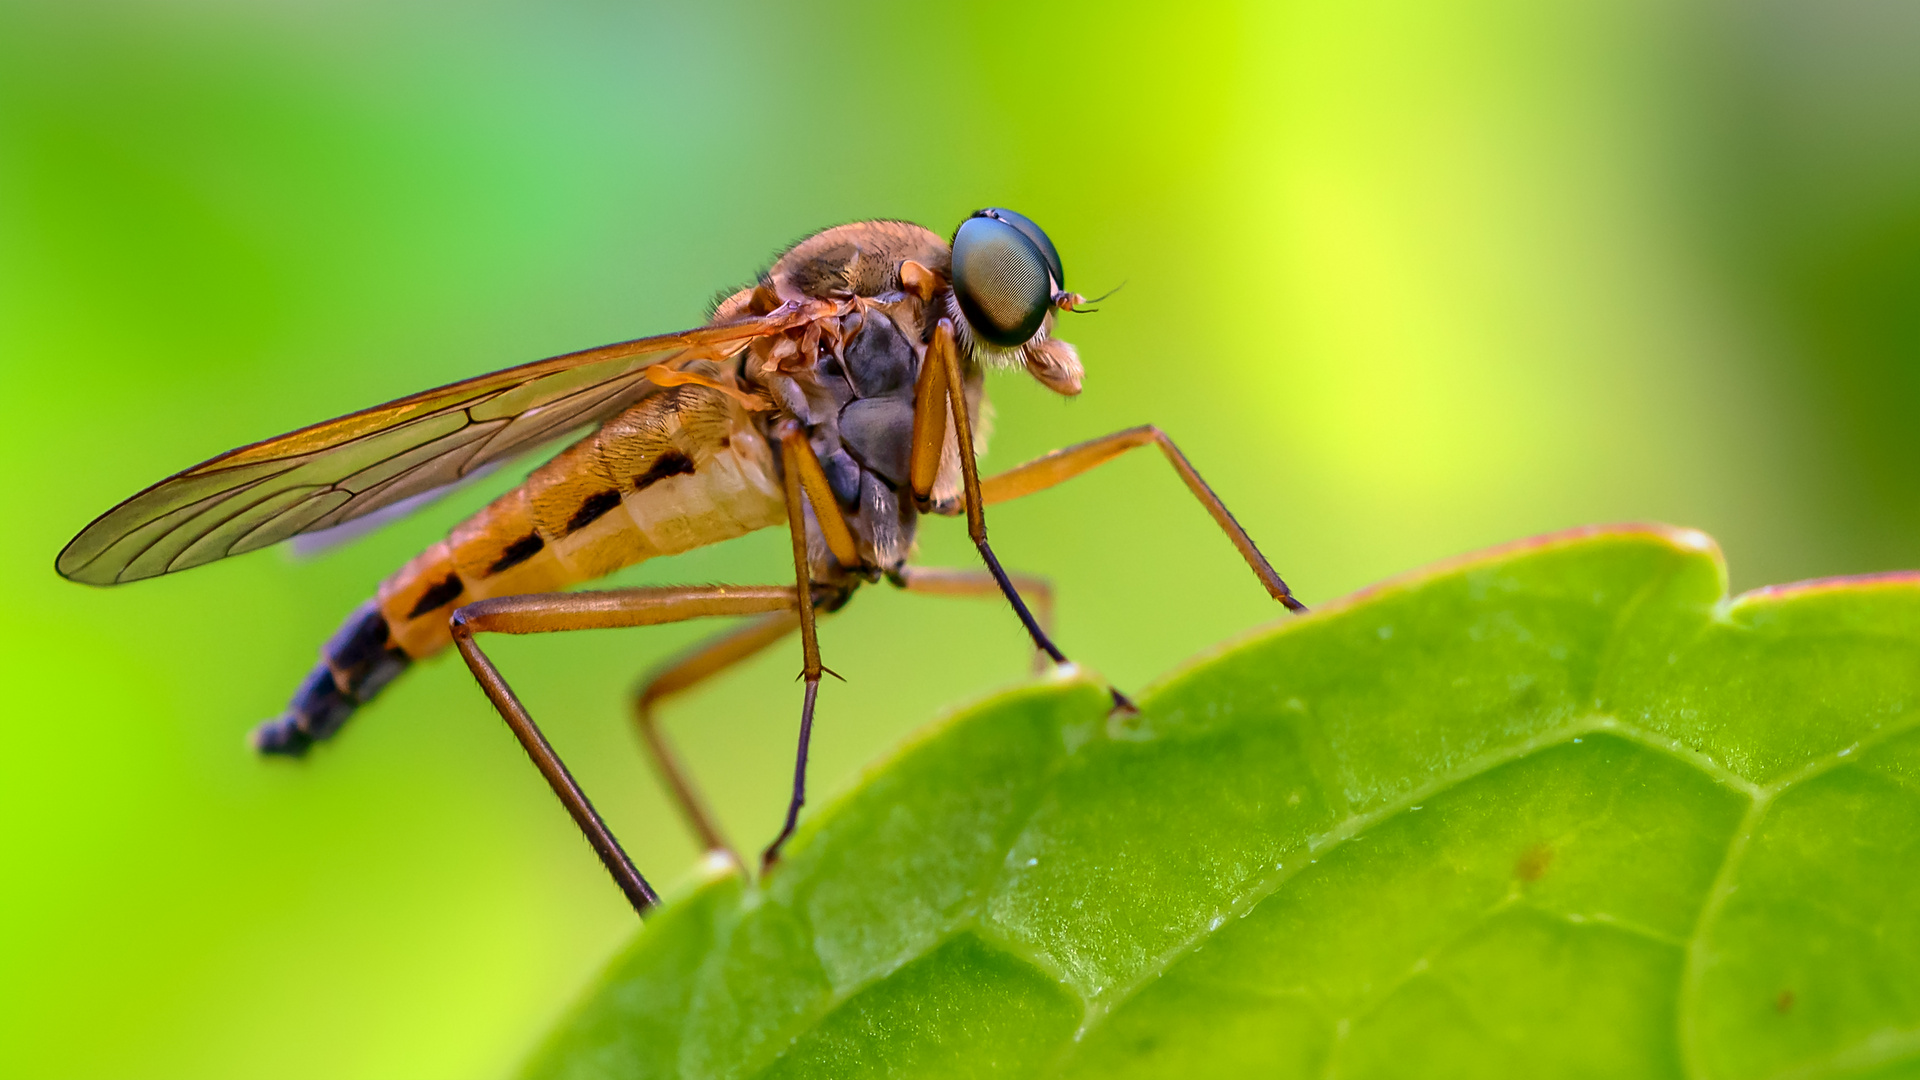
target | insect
x=837, y=395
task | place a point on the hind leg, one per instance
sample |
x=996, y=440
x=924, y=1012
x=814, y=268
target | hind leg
x=941, y=581
x=703, y=662
x=550, y=612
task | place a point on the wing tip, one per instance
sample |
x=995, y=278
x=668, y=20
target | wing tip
x=82, y=569
x=69, y=565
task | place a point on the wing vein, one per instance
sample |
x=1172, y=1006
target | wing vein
x=453, y=430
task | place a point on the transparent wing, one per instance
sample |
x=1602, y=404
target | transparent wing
x=316, y=542
x=325, y=475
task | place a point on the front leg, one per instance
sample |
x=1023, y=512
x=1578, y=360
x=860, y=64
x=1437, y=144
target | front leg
x=1043, y=472
x=940, y=394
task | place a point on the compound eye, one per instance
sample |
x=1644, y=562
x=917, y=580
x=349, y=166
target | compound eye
x=1034, y=233
x=1001, y=279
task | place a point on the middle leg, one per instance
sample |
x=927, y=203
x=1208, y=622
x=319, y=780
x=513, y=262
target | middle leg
x=805, y=484
x=703, y=662
x=717, y=655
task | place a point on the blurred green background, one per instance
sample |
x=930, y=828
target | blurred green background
x=1403, y=279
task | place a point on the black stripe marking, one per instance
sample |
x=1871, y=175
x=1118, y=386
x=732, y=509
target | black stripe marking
x=359, y=641
x=592, y=510
x=438, y=596
x=671, y=463
x=517, y=552
x=318, y=707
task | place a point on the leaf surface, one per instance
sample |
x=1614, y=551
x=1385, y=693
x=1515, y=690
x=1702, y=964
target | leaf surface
x=1561, y=809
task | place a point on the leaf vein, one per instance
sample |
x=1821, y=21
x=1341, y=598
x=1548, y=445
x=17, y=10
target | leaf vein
x=1331, y=840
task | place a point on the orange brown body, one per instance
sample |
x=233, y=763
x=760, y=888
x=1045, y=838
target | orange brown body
x=683, y=468
x=692, y=462
x=841, y=394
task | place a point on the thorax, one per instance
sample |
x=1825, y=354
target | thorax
x=848, y=379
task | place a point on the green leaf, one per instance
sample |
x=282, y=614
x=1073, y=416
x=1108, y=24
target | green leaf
x=1562, y=809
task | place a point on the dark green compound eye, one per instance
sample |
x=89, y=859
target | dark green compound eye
x=1032, y=232
x=1004, y=274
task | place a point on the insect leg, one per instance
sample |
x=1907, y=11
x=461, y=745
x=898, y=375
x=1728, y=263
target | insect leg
x=939, y=393
x=708, y=659
x=549, y=612
x=793, y=458
x=810, y=480
x=930, y=418
x=940, y=581
x=800, y=470
x=1050, y=469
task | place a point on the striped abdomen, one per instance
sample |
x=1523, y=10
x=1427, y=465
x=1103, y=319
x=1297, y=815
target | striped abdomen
x=681, y=469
